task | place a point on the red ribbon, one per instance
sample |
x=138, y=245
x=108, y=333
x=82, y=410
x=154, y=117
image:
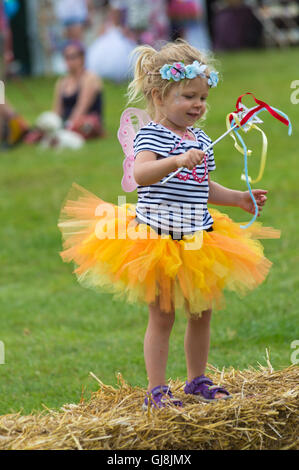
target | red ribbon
x=261, y=105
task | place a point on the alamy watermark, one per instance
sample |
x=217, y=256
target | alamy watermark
x=295, y=94
x=295, y=354
x=2, y=353
x=173, y=219
x=2, y=92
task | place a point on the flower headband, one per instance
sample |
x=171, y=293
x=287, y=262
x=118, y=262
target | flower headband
x=178, y=70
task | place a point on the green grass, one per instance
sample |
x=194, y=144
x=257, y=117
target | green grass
x=54, y=330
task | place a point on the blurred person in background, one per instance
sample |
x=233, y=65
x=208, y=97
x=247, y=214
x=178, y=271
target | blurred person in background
x=6, y=45
x=189, y=21
x=13, y=127
x=235, y=26
x=143, y=22
x=78, y=97
x=148, y=21
x=108, y=55
x=74, y=16
x=128, y=23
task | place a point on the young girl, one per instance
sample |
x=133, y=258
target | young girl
x=169, y=250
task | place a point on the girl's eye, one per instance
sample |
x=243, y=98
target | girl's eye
x=188, y=96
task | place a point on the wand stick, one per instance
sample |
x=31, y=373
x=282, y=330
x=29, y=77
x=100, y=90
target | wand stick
x=205, y=150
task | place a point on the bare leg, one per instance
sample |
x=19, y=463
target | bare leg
x=197, y=344
x=156, y=342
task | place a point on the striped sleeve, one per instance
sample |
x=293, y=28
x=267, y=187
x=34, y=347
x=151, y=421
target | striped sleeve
x=146, y=139
x=211, y=164
x=206, y=141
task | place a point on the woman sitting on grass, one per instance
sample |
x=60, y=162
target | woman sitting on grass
x=78, y=95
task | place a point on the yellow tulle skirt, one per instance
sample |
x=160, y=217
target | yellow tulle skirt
x=112, y=253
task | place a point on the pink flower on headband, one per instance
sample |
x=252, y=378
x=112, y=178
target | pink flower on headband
x=175, y=71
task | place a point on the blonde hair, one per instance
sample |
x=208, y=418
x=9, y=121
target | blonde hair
x=151, y=60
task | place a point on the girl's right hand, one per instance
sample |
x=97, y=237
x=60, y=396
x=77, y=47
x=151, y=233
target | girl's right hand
x=190, y=158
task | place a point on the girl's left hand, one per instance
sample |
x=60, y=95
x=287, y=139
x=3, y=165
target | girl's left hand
x=247, y=204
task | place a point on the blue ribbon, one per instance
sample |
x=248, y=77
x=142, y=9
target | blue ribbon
x=236, y=131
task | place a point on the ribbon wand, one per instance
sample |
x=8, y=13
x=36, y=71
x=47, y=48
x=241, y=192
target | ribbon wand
x=206, y=149
x=244, y=119
x=242, y=113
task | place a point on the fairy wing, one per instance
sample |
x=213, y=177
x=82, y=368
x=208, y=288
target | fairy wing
x=131, y=120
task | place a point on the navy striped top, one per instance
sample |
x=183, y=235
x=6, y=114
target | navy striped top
x=178, y=205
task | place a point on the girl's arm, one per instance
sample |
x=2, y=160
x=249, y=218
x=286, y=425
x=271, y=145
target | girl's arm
x=222, y=196
x=148, y=170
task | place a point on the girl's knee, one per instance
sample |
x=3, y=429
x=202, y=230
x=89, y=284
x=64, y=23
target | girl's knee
x=164, y=320
x=203, y=318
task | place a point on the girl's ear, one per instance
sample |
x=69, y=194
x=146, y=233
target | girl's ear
x=156, y=96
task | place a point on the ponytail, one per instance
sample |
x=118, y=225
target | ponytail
x=144, y=63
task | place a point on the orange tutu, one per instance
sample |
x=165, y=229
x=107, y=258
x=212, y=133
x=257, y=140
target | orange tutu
x=113, y=253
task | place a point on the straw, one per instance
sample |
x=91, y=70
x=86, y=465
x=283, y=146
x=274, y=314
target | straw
x=263, y=414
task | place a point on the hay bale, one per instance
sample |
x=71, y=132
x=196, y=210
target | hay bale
x=262, y=415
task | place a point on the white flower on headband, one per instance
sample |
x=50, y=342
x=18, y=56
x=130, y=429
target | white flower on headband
x=213, y=79
x=177, y=71
x=195, y=69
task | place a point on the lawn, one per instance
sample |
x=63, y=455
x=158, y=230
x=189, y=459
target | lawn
x=55, y=331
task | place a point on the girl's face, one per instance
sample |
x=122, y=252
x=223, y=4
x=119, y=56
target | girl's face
x=183, y=106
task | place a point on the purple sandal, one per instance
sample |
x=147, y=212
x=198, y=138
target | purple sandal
x=160, y=397
x=204, y=389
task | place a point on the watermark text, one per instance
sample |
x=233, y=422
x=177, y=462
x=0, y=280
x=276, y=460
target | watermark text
x=2, y=92
x=2, y=353
x=295, y=93
x=178, y=220
x=295, y=354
